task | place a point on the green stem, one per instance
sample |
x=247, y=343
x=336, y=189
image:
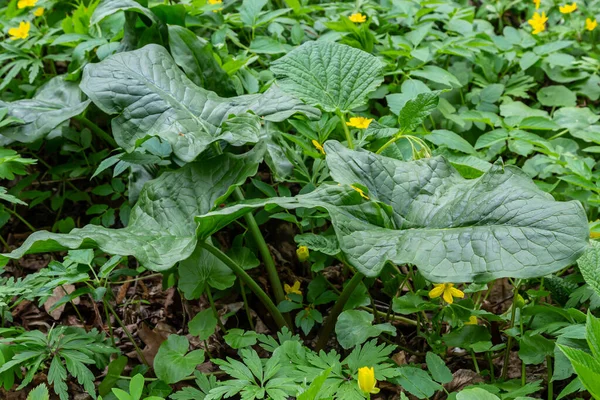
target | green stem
x=550, y=383
x=346, y=130
x=263, y=249
x=129, y=336
x=97, y=130
x=214, y=309
x=390, y=142
x=244, y=277
x=23, y=220
x=246, y=306
x=475, y=364
x=337, y=309
x=510, y=339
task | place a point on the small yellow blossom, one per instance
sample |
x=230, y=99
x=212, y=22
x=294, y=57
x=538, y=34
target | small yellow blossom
x=359, y=122
x=590, y=24
x=537, y=4
x=538, y=23
x=213, y=2
x=360, y=191
x=472, y=320
x=38, y=12
x=358, y=18
x=25, y=3
x=295, y=288
x=22, y=32
x=318, y=146
x=594, y=235
x=568, y=8
x=367, y=381
x=447, y=291
x=302, y=253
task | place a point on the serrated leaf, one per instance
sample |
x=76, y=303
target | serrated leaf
x=153, y=97
x=416, y=110
x=589, y=265
x=328, y=74
x=161, y=228
x=424, y=213
x=437, y=368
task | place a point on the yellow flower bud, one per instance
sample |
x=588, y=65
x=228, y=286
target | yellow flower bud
x=367, y=381
x=302, y=253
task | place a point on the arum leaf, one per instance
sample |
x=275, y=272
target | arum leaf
x=328, y=74
x=424, y=213
x=56, y=102
x=161, y=226
x=153, y=97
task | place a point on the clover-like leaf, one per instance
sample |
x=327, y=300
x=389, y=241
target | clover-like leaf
x=172, y=364
x=425, y=213
x=161, y=226
x=328, y=74
x=56, y=102
x=153, y=97
x=354, y=327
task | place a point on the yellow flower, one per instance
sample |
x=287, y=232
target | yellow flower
x=590, y=25
x=358, y=18
x=359, y=122
x=568, y=9
x=447, y=291
x=318, y=146
x=39, y=12
x=538, y=23
x=26, y=3
x=594, y=235
x=21, y=32
x=302, y=253
x=472, y=320
x=537, y=4
x=367, y=381
x=360, y=191
x=292, y=289
x=213, y=2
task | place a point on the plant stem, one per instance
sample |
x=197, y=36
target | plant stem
x=263, y=249
x=246, y=306
x=346, y=130
x=214, y=309
x=97, y=130
x=390, y=142
x=23, y=220
x=337, y=309
x=509, y=342
x=475, y=364
x=122, y=325
x=550, y=383
x=244, y=277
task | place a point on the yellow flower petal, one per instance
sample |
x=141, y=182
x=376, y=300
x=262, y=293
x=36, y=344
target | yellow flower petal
x=538, y=23
x=568, y=8
x=295, y=288
x=359, y=122
x=357, y=18
x=318, y=146
x=39, y=12
x=360, y=191
x=22, y=32
x=447, y=296
x=456, y=293
x=537, y=4
x=25, y=3
x=437, y=290
x=472, y=320
x=590, y=25
x=367, y=381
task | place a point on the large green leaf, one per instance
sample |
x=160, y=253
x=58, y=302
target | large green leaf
x=424, y=213
x=172, y=364
x=354, y=327
x=153, y=97
x=328, y=74
x=56, y=102
x=161, y=226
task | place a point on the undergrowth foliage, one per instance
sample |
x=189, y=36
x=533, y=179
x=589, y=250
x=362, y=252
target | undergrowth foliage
x=292, y=199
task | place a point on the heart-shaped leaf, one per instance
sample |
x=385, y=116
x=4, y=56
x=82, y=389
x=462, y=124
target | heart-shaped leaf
x=330, y=75
x=161, y=226
x=425, y=213
x=153, y=97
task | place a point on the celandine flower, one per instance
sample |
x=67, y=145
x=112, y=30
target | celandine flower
x=318, y=146
x=38, y=12
x=590, y=24
x=568, y=8
x=302, y=253
x=26, y=3
x=359, y=122
x=357, y=18
x=538, y=23
x=295, y=288
x=367, y=381
x=22, y=32
x=447, y=291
